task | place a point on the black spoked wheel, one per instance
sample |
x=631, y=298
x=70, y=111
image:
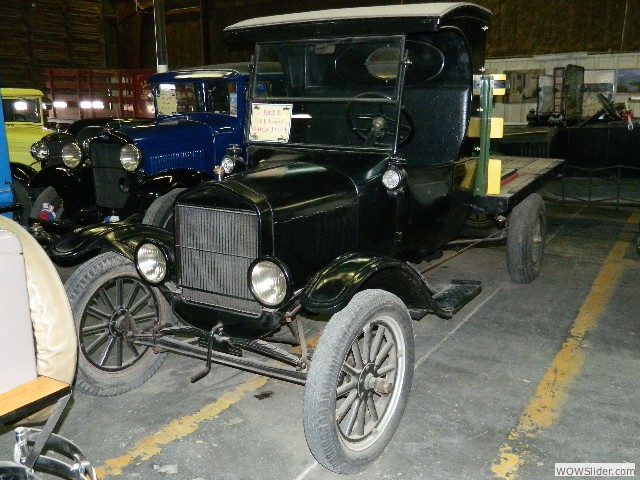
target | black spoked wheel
x=160, y=212
x=526, y=233
x=359, y=382
x=108, y=300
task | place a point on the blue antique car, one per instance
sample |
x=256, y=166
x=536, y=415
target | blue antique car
x=119, y=172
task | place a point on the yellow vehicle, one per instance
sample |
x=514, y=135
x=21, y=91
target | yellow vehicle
x=24, y=122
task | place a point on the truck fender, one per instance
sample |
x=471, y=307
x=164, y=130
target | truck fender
x=154, y=187
x=119, y=237
x=332, y=288
x=62, y=178
x=73, y=186
x=22, y=172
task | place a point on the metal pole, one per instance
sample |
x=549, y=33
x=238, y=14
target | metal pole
x=161, y=37
x=486, y=99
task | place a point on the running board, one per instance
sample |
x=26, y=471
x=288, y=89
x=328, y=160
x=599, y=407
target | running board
x=456, y=295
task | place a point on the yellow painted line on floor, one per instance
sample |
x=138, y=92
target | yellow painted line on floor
x=178, y=428
x=551, y=393
x=181, y=427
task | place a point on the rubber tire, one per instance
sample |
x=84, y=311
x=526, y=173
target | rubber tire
x=81, y=287
x=160, y=212
x=526, y=233
x=319, y=408
x=21, y=196
x=50, y=196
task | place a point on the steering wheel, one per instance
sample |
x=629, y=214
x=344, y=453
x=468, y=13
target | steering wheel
x=608, y=107
x=19, y=117
x=374, y=124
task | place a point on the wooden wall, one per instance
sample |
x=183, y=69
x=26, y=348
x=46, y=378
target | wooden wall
x=36, y=34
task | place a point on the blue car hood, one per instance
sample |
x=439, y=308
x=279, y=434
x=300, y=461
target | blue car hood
x=177, y=129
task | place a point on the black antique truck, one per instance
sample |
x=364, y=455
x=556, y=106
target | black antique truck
x=362, y=164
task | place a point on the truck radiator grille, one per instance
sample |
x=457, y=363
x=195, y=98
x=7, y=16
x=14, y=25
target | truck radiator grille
x=108, y=174
x=214, y=249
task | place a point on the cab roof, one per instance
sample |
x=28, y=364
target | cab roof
x=224, y=70
x=386, y=19
x=20, y=92
x=227, y=70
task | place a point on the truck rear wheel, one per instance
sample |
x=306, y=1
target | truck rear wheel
x=525, y=239
x=108, y=299
x=359, y=381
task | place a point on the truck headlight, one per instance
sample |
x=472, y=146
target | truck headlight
x=40, y=150
x=130, y=157
x=152, y=263
x=268, y=282
x=232, y=158
x=72, y=155
x=394, y=177
x=228, y=164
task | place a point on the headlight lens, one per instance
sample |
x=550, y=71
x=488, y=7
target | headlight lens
x=40, y=150
x=393, y=178
x=130, y=157
x=71, y=155
x=151, y=263
x=228, y=164
x=268, y=283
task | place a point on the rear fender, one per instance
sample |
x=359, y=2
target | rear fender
x=153, y=187
x=119, y=237
x=333, y=287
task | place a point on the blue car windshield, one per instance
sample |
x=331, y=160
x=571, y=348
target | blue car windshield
x=215, y=96
x=339, y=93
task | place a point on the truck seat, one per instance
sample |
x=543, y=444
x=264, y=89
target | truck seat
x=36, y=318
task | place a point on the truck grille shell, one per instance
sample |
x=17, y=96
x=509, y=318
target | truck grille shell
x=214, y=249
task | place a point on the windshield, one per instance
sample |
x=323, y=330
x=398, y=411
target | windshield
x=218, y=96
x=341, y=93
x=21, y=110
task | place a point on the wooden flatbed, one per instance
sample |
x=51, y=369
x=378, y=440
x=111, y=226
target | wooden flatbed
x=524, y=175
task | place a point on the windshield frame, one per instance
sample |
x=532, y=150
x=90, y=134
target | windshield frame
x=394, y=100
x=26, y=98
x=202, y=96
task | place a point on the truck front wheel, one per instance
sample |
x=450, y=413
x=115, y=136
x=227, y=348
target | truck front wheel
x=359, y=381
x=108, y=299
x=525, y=239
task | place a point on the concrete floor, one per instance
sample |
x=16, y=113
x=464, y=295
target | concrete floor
x=523, y=377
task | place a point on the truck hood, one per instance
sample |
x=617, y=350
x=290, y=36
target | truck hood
x=26, y=134
x=293, y=184
x=20, y=138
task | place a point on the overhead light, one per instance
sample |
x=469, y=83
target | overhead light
x=97, y=104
